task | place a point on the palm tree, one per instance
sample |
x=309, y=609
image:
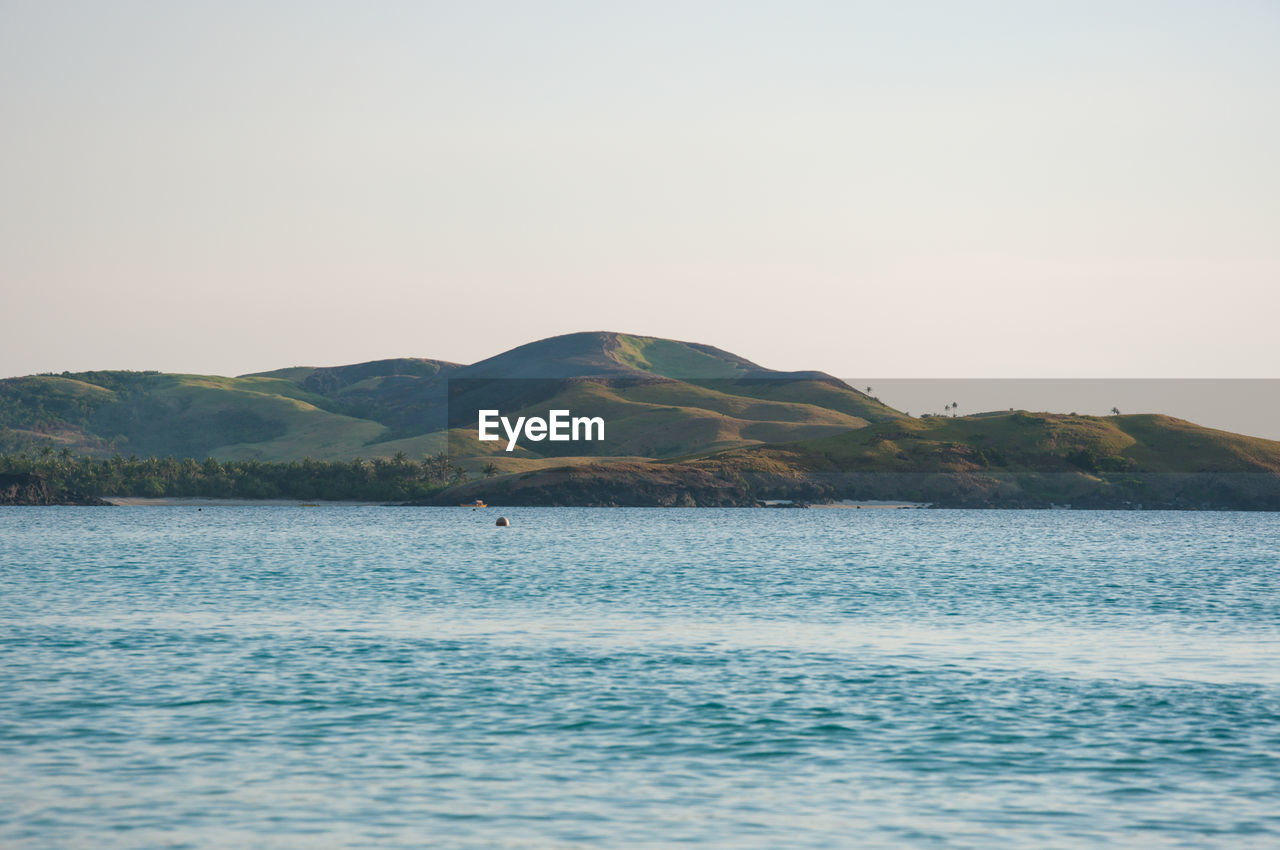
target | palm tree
x=1115, y=411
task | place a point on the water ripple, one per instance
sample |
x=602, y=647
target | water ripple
x=275, y=677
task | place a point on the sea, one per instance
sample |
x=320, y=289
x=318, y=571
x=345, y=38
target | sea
x=384, y=677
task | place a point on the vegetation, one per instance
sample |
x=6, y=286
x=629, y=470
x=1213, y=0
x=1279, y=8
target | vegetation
x=661, y=398
x=383, y=480
x=686, y=424
x=1015, y=459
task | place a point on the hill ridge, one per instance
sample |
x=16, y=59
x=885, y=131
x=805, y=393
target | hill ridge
x=379, y=407
x=689, y=423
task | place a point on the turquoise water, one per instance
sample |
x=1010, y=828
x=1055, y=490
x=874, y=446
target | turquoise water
x=404, y=677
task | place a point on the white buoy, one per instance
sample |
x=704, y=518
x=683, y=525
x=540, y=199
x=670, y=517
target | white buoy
x=503, y=521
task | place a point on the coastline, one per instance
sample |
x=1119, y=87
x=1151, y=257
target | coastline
x=198, y=501
x=873, y=504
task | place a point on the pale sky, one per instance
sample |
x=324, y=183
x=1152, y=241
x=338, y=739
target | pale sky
x=945, y=189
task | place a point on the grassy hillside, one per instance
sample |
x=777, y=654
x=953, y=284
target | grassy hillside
x=668, y=419
x=661, y=399
x=679, y=360
x=1022, y=442
x=1015, y=459
x=685, y=423
x=180, y=415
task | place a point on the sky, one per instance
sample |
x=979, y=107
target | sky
x=915, y=190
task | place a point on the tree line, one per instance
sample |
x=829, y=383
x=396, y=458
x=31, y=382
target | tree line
x=396, y=478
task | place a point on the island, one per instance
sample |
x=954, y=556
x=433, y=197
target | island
x=682, y=424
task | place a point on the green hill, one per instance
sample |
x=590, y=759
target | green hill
x=1015, y=459
x=1019, y=442
x=661, y=398
x=180, y=415
x=686, y=424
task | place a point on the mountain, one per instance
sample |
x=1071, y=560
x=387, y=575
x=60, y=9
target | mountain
x=601, y=354
x=661, y=399
x=686, y=424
